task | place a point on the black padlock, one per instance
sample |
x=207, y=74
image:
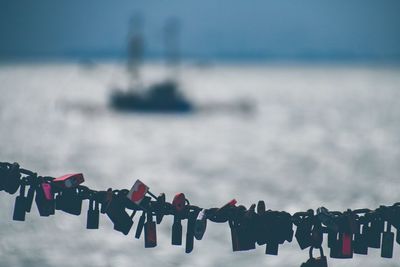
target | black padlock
x=118, y=215
x=316, y=262
x=303, y=232
x=387, y=242
x=69, y=201
x=160, y=206
x=150, y=232
x=29, y=198
x=332, y=238
x=11, y=179
x=190, y=230
x=200, y=224
x=45, y=199
x=273, y=232
x=360, y=245
x=179, y=208
x=375, y=232
x=20, y=205
x=140, y=226
x=234, y=235
x=93, y=215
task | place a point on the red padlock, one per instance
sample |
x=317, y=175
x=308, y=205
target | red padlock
x=69, y=180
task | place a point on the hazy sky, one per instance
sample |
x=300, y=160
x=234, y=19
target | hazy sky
x=210, y=28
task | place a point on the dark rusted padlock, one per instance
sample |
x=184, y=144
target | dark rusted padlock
x=200, y=225
x=118, y=215
x=45, y=199
x=29, y=198
x=150, y=232
x=234, y=235
x=179, y=208
x=160, y=206
x=10, y=181
x=69, y=201
x=303, y=232
x=93, y=215
x=190, y=230
x=140, y=226
x=387, y=243
x=360, y=245
x=20, y=205
x=375, y=232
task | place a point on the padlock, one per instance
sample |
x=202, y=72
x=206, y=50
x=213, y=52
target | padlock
x=347, y=246
x=303, y=232
x=332, y=238
x=179, y=208
x=200, y=225
x=317, y=234
x=360, y=245
x=29, y=198
x=137, y=192
x=139, y=228
x=234, y=235
x=69, y=180
x=20, y=205
x=118, y=215
x=150, y=232
x=160, y=208
x=316, y=262
x=105, y=198
x=11, y=179
x=93, y=215
x=44, y=199
x=387, y=242
x=192, y=216
x=68, y=200
x=343, y=247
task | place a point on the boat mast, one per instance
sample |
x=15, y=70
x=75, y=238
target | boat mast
x=172, y=55
x=135, y=51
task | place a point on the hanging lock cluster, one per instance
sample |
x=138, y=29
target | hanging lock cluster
x=348, y=233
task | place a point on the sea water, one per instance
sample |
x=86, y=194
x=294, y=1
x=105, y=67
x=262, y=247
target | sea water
x=318, y=135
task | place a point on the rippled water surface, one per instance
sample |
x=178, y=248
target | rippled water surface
x=319, y=135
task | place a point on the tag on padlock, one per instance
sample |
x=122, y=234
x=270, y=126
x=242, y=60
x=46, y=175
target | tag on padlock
x=200, y=225
x=93, y=215
x=45, y=199
x=150, y=232
x=69, y=180
x=179, y=207
x=387, y=243
x=139, y=228
x=137, y=192
x=69, y=201
x=20, y=205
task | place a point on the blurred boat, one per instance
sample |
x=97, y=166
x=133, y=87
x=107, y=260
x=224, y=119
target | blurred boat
x=162, y=97
x=159, y=97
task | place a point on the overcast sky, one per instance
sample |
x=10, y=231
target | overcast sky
x=210, y=28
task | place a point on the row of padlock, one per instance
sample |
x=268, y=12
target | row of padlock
x=348, y=233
